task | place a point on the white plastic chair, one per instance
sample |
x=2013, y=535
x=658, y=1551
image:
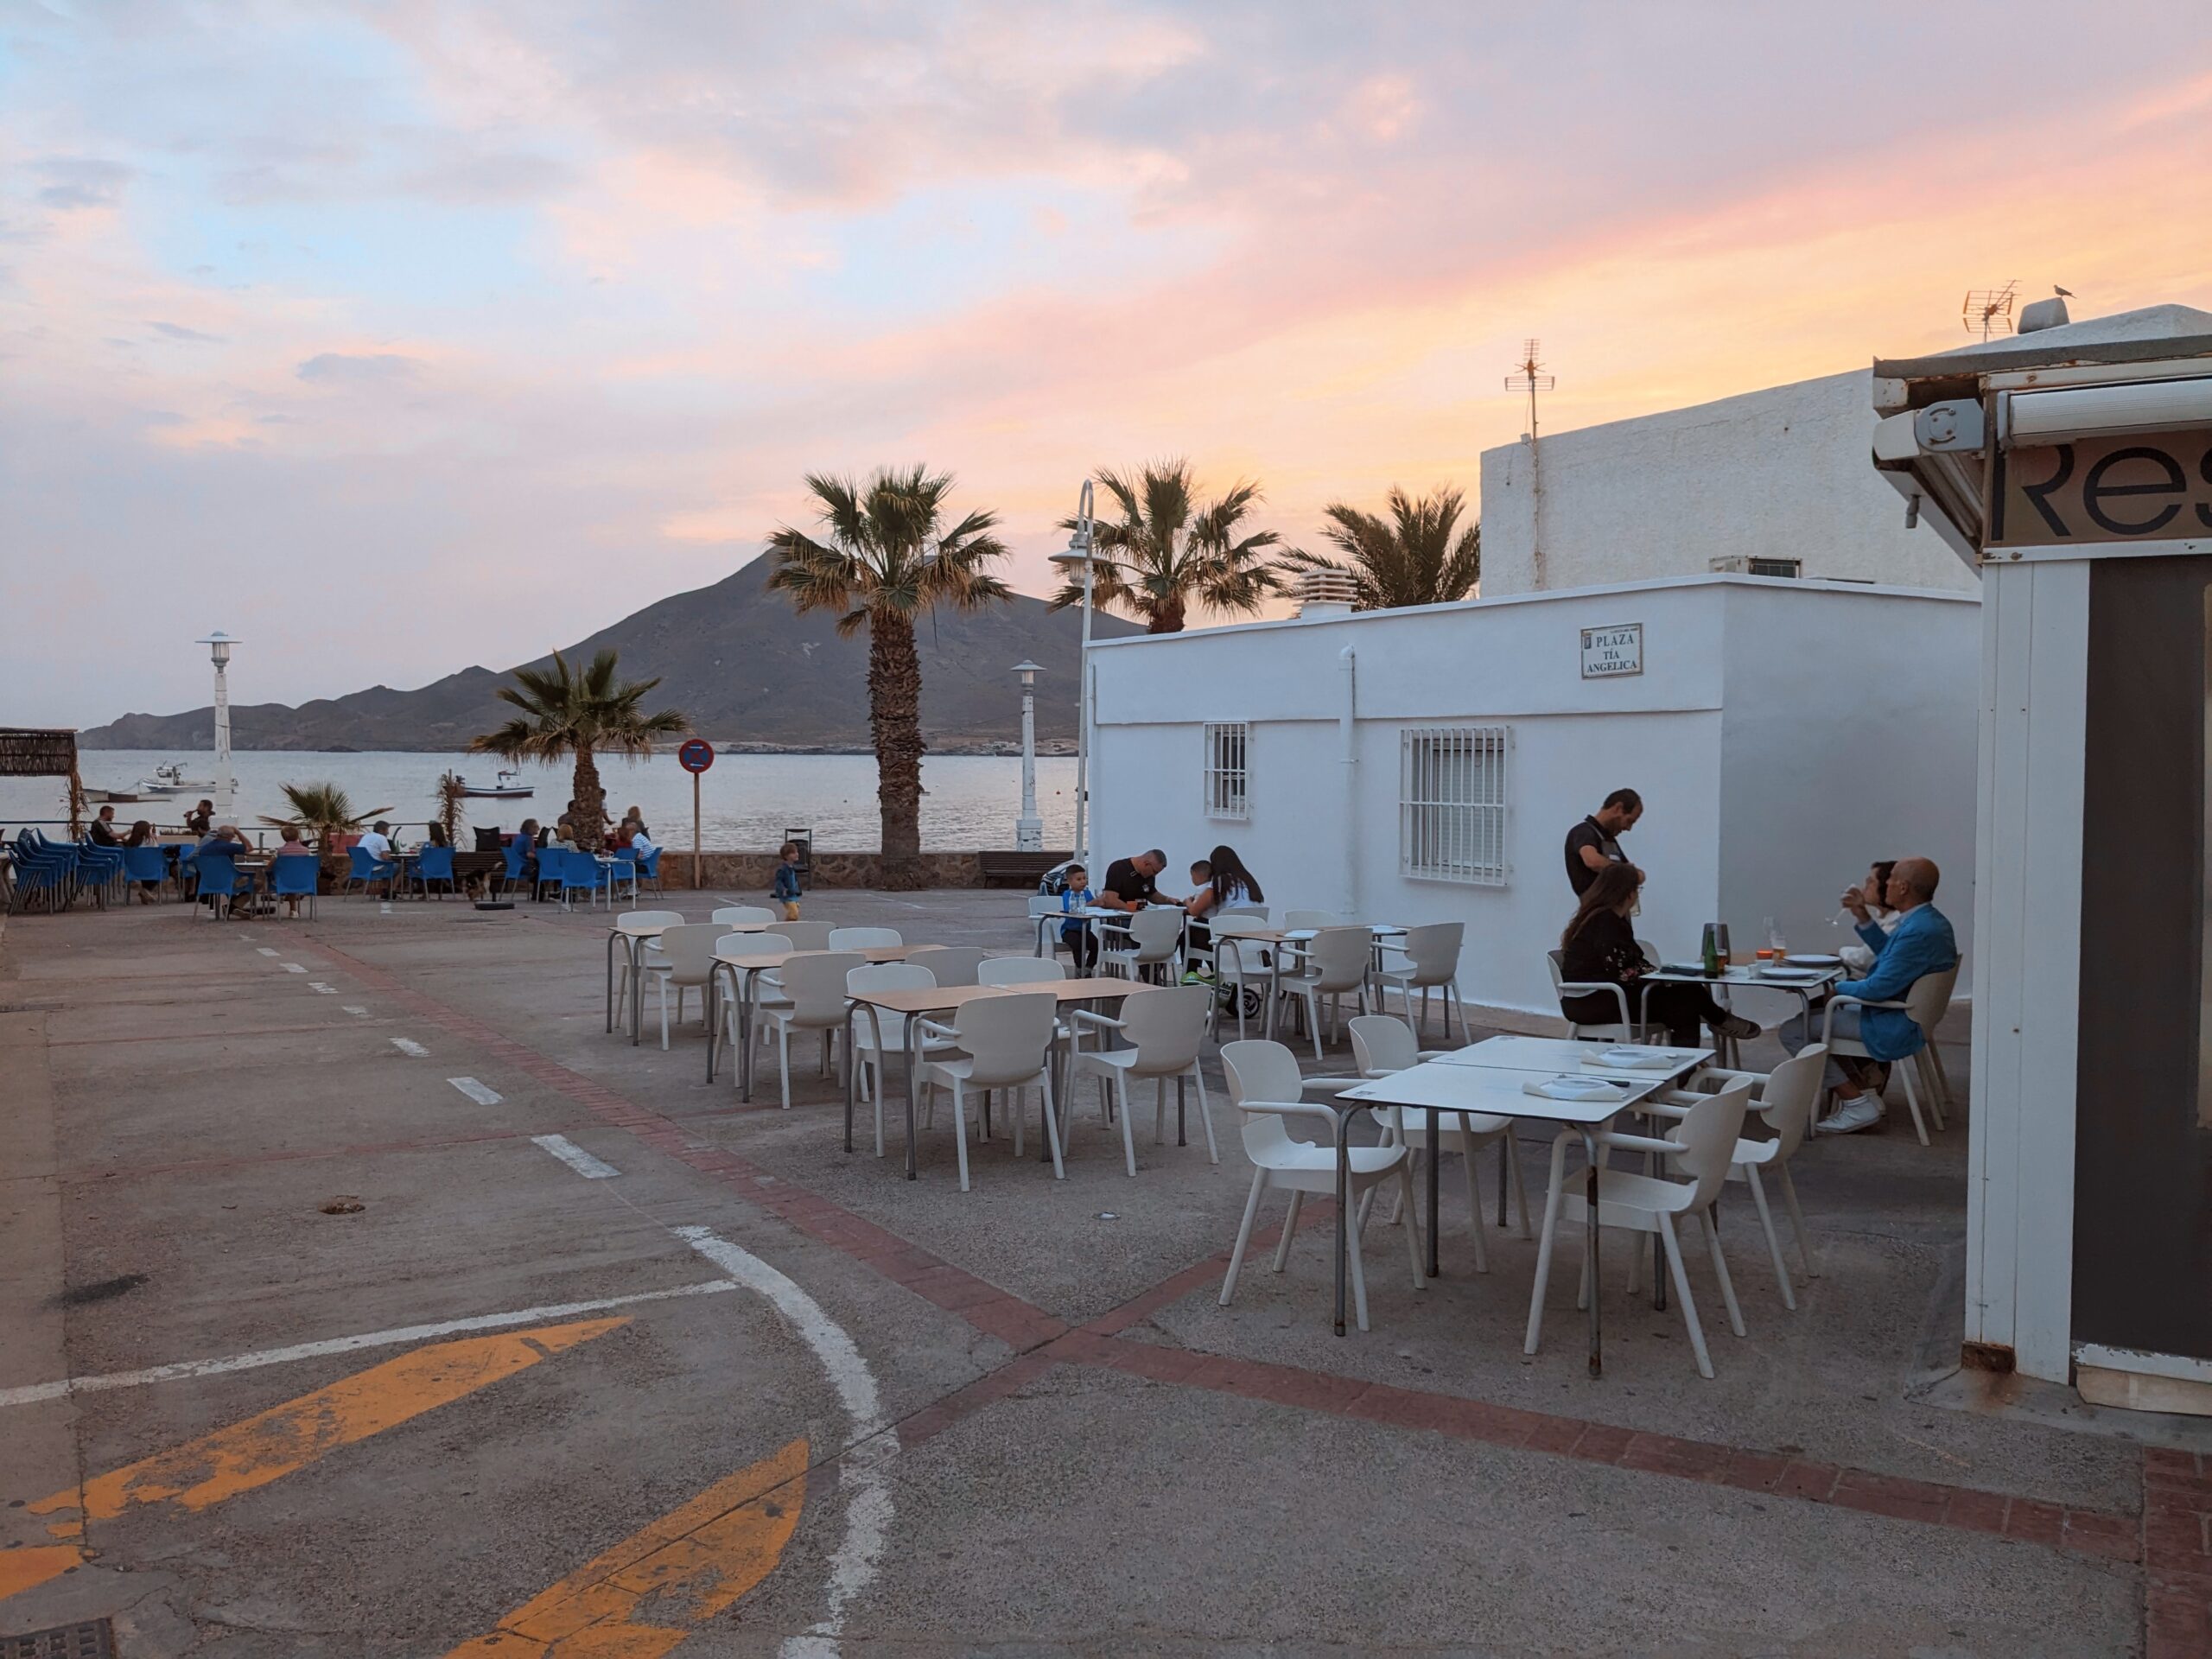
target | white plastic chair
x=1425, y=959
x=1701, y=1146
x=640, y=918
x=866, y=1057
x=1164, y=1028
x=1240, y=966
x=1335, y=961
x=1626, y=1030
x=864, y=939
x=746, y=944
x=807, y=936
x=1018, y=970
x=1155, y=936
x=686, y=958
x=1926, y=1000
x=1785, y=1099
x=737, y=914
x=1265, y=1086
x=1005, y=1042
x=953, y=964
x=813, y=986
x=1296, y=920
x=1382, y=1046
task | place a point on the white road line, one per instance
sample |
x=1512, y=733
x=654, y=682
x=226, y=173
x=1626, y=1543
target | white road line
x=408, y=1045
x=866, y=1479
x=317, y=985
x=291, y=967
x=573, y=1156
x=358, y=1014
x=475, y=1091
x=32, y=1393
x=270, y=950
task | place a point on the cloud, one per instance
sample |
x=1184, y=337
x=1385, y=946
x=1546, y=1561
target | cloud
x=357, y=368
x=178, y=331
x=80, y=181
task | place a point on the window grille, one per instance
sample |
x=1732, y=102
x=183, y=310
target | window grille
x=1452, y=804
x=1227, y=751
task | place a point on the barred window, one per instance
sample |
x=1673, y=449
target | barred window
x=1227, y=749
x=1452, y=804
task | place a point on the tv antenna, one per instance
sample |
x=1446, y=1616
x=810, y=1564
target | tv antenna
x=1989, y=310
x=1528, y=376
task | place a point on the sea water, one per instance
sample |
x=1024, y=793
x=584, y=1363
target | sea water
x=746, y=801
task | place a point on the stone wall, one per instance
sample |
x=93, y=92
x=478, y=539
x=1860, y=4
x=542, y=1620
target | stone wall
x=751, y=873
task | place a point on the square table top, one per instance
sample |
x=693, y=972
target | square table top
x=1557, y=1054
x=761, y=961
x=1742, y=972
x=924, y=999
x=1494, y=1090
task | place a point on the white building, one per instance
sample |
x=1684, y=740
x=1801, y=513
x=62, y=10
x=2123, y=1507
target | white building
x=1775, y=482
x=1425, y=764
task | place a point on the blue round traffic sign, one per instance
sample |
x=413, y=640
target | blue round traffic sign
x=696, y=755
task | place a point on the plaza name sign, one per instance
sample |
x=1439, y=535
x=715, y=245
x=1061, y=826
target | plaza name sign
x=2144, y=486
x=1611, y=653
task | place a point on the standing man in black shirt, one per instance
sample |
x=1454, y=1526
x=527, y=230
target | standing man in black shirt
x=1595, y=842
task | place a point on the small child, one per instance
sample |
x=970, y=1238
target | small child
x=785, y=891
x=1076, y=934
x=1201, y=874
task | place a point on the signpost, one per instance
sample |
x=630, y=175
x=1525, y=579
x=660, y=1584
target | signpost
x=695, y=757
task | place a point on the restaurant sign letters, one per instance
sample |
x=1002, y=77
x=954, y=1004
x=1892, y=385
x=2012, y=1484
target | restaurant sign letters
x=1610, y=652
x=2147, y=486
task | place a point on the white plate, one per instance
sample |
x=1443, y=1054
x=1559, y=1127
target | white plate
x=1565, y=1088
x=1796, y=961
x=1793, y=975
x=1635, y=1059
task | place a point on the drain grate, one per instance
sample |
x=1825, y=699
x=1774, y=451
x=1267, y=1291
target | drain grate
x=93, y=1639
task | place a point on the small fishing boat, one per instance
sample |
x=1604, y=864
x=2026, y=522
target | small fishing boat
x=508, y=788
x=171, y=780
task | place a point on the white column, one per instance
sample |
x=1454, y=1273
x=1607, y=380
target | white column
x=222, y=742
x=1029, y=827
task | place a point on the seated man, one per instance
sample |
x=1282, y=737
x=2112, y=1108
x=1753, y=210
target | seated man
x=1920, y=944
x=225, y=841
x=1129, y=886
x=375, y=846
x=103, y=830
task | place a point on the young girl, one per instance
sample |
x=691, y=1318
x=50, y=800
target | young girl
x=785, y=891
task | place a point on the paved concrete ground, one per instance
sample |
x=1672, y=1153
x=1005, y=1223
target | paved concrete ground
x=749, y=1393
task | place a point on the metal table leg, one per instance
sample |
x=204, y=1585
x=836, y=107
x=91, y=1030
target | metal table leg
x=611, y=937
x=907, y=1044
x=1435, y=1145
x=637, y=989
x=1589, y=1242
x=714, y=995
x=745, y=980
x=1343, y=1209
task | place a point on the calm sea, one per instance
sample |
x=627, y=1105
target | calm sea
x=746, y=801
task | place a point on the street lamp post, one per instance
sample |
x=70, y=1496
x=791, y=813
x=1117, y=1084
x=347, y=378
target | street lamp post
x=1080, y=549
x=218, y=646
x=1028, y=828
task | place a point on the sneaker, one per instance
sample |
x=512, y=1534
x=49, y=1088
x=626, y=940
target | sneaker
x=1737, y=1027
x=1851, y=1115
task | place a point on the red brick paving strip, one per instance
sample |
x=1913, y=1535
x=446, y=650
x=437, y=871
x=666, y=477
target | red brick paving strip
x=2177, y=1500
x=2176, y=1554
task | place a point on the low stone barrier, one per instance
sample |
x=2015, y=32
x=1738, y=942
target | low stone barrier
x=751, y=873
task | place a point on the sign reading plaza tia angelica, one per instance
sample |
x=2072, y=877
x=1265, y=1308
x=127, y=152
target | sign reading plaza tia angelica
x=1612, y=651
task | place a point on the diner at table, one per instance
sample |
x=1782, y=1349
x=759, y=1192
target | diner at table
x=1599, y=947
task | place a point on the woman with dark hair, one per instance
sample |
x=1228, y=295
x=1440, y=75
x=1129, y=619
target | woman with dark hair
x=1227, y=885
x=142, y=833
x=1599, y=948
x=437, y=834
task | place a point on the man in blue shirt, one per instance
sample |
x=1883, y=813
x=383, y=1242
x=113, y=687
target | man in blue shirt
x=1920, y=944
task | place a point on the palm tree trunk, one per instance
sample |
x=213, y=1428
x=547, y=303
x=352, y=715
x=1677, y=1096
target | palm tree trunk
x=1167, y=617
x=591, y=802
x=894, y=715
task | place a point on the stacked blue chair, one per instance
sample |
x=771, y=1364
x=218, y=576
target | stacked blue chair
x=294, y=878
x=43, y=867
x=218, y=880
x=99, y=870
x=435, y=864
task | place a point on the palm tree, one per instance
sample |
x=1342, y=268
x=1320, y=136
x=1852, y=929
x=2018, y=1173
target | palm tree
x=326, y=812
x=1169, y=554
x=888, y=558
x=584, y=714
x=451, y=794
x=1410, y=561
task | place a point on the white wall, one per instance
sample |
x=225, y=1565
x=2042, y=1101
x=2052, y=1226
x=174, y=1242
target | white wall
x=1313, y=840
x=1781, y=472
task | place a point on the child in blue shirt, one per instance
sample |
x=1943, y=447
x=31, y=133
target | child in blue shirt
x=786, y=890
x=1076, y=934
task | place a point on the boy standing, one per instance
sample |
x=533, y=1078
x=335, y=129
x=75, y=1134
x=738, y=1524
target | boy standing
x=785, y=891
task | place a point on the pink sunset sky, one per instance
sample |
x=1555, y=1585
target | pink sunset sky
x=399, y=337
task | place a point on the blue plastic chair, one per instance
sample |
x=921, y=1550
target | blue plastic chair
x=364, y=870
x=42, y=872
x=435, y=864
x=649, y=869
x=293, y=876
x=581, y=872
x=511, y=877
x=218, y=880
x=552, y=865
x=624, y=869
x=148, y=864
x=100, y=869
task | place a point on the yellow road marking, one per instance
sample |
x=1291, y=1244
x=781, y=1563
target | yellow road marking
x=644, y=1596
x=285, y=1439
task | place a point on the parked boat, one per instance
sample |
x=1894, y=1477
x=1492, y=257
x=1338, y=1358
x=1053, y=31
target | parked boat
x=171, y=780
x=507, y=789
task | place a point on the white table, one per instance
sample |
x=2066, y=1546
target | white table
x=1805, y=985
x=1464, y=1087
x=633, y=937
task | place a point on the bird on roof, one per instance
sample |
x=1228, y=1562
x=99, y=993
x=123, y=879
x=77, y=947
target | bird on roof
x=2063, y=293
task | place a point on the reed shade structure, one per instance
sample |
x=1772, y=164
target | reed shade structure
x=35, y=752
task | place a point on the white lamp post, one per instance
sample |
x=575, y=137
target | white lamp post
x=218, y=646
x=1079, y=552
x=1029, y=828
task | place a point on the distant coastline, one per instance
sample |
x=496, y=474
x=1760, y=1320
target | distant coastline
x=97, y=741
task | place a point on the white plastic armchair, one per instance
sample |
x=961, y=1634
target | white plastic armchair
x=1155, y=938
x=1265, y=1086
x=1627, y=1031
x=1240, y=966
x=735, y=914
x=1004, y=1042
x=814, y=998
x=1426, y=959
x=1164, y=1029
x=864, y=939
x=686, y=958
x=873, y=1031
x=1924, y=1003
